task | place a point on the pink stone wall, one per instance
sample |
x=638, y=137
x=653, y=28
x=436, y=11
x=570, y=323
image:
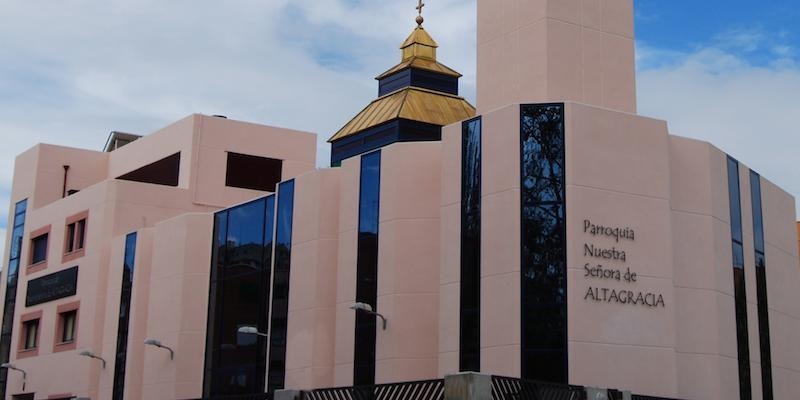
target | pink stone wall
x=547, y=50
x=173, y=253
x=450, y=253
x=618, y=174
x=408, y=262
x=312, y=292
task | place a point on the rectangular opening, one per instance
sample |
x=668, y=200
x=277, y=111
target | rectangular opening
x=253, y=172
x=75, y=236
x=31, y=334
x=67, y=325
x=162, y=172
x=39, y=249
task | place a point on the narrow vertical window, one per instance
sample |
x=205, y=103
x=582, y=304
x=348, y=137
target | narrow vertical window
x=761, y=287
x=129, y=260
x=740, y=294
x=75, y=236
x=367, y=268
x=39, y=249
x=67, y=326
x=236, y=363
x=31, y=339
x=469, y=355
x=11, y=290
x=280, y=286
x=544, y=260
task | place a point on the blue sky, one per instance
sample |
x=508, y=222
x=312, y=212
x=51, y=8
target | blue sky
x=74, y=70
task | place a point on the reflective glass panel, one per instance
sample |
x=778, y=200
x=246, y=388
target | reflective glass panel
x=543, y=238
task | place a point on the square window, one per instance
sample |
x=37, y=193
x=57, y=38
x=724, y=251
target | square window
x=76, y=236
x=39, y=249
x=31, y=338
x=67, y=322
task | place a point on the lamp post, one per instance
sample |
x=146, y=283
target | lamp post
x=157, y=343
x=90, y=354
x=24, y=374
x=368, y=309
x=251, y=330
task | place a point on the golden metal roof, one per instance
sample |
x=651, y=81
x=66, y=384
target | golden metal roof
x=421, y=63
x=411, y=103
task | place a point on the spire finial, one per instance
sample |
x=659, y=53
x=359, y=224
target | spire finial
x=420, y=20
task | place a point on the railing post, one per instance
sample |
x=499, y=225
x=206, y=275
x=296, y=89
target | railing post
x=467, y=386
x=288, y=394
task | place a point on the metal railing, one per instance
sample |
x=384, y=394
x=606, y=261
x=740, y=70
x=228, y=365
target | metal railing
x=416, y=390
x=258, y=396
x=505, y=388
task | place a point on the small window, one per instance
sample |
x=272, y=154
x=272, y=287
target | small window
x=67, y=325
x=76, y=236
x=31, y=339
x=39, y=249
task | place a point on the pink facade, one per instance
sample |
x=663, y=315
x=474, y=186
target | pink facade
x=648, y=283
x=170, y=289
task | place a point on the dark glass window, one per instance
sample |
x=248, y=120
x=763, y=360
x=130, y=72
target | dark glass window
x=367, y=268
x=253, y=172
x=544, y=261
x=67, y=321
x=162, y=172
x=10, y=300
x=31, y=329
x=129, y=260
x=761, y=287
x=236, y=363
x=280, y=288
x=75, y=236
x=469, y=355
x=739, y=288
x=39, y=249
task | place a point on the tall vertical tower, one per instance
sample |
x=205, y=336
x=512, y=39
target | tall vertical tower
x=556, y=50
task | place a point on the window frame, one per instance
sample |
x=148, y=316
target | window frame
x=72, y=250
x=33, y=265
x=26, y=321
x=59, y=344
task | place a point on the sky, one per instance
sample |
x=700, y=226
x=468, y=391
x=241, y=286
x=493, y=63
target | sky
x=71, y=71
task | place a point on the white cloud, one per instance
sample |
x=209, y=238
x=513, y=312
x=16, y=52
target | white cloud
x=75, y=70
x=746, y=110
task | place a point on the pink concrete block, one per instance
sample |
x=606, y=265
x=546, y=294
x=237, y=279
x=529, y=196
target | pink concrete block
x=500, y=233
x=500, y=307
x=501, y=360
x=650, y=370
x=450, y=244
x=500, y=149
x=618, y=17
x=451, y=164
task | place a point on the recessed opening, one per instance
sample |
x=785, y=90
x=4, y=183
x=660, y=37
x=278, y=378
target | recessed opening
x=162, y=172
x=253, y=172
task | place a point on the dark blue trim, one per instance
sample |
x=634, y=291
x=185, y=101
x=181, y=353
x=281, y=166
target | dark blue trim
x=418, y=78
x=398, y=130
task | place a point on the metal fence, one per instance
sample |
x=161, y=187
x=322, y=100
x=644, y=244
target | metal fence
x=259, y=396
x=417, y=390
x=505, y=388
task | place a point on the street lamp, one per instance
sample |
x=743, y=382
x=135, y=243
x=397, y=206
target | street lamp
x=157, y=343
x=90, y=354
x=251, y=330
x=24, y=374
x=368, y=309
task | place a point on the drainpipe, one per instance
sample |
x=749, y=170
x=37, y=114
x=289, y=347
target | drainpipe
x=64, y=190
